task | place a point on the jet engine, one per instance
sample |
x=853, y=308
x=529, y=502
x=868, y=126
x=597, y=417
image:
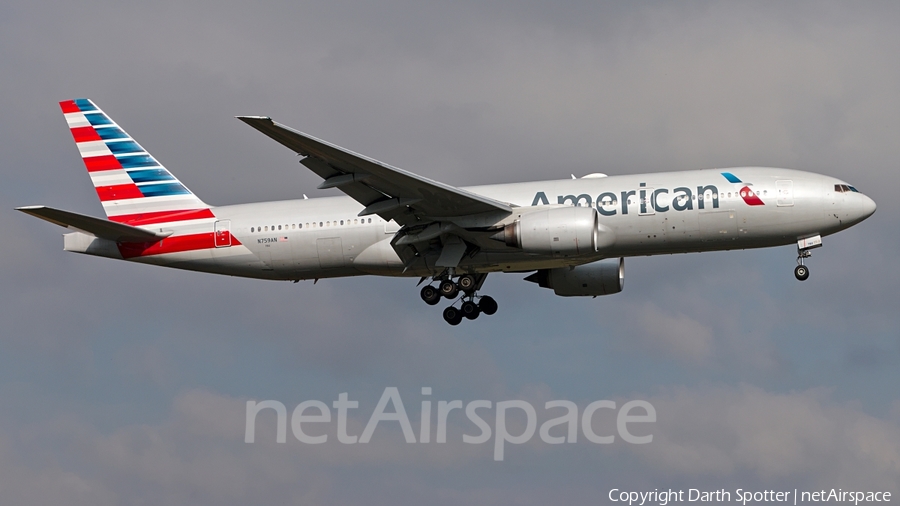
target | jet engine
x=559, y=231
x=603, y=277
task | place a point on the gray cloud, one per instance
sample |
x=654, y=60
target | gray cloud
x=709, y=436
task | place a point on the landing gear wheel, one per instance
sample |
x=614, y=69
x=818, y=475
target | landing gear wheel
x=466, y=283
x=801, y=272
x=487, y=305
x=449, y=289
x=452, y=316
x=470, y=310
x=430, y=295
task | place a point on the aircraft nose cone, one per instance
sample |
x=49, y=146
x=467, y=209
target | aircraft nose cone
x=868, y=207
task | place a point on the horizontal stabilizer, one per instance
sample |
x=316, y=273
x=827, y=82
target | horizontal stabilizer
x=101, y=228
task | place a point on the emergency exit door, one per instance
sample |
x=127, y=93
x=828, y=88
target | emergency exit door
x=223, y=233
x=784, y=191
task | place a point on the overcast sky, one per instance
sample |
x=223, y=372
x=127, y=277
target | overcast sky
x=126, y=384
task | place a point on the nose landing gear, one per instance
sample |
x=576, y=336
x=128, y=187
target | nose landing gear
x=801, y=272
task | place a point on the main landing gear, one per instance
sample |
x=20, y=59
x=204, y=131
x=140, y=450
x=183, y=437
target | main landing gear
x=468, y=284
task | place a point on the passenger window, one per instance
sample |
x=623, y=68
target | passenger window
x=342, y=222
x=320, y=223
x=251, y=230
x=370, y=220
x=267, y=228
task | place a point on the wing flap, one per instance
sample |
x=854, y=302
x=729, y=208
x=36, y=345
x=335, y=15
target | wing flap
x=101, y=228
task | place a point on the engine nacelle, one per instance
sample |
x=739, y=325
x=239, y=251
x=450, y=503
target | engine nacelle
x=603, y=277
x=559, y=232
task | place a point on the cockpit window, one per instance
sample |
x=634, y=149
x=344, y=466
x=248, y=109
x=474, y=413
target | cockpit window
x=843, y=188
x=854, y=190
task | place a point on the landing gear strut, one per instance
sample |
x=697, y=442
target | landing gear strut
x=801, y=272
x=468, y=284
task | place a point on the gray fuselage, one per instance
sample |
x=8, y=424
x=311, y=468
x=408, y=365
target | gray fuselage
x=649, y=214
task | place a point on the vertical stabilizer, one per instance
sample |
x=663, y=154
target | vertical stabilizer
x=133, y=187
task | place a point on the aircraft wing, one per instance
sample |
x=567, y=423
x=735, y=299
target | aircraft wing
x=97, y=227
x=384, y=190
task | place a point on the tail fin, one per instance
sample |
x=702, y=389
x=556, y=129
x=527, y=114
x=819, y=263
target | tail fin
x=133, y=187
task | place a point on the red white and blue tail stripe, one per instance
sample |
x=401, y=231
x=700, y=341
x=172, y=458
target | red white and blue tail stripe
x=133, y=187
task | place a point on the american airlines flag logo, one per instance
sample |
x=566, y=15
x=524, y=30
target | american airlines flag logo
x=282, y=239
x=749, y=196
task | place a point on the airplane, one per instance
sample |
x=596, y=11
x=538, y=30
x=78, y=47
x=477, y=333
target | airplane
x=570, y=235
